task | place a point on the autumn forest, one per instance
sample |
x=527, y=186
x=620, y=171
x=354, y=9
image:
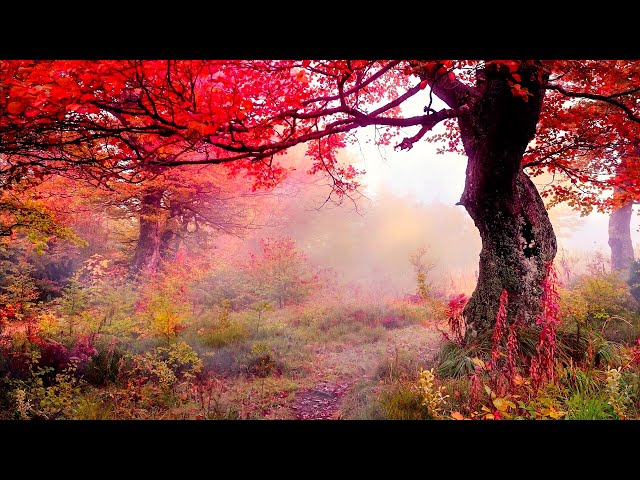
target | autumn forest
x=237, y=240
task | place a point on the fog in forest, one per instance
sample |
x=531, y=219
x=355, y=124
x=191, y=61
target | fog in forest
x=407, y=201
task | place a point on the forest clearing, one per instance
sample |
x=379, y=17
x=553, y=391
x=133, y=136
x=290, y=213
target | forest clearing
x=319, y=240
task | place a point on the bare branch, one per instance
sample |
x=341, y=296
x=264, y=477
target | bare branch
x=602, y=98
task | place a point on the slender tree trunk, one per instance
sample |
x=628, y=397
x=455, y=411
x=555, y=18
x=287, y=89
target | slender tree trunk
x=518, y=241
x=148, y=255
x=620, y=220
x=620, y=237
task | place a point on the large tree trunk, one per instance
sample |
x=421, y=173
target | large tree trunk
x=518, y=241
x=148, y=253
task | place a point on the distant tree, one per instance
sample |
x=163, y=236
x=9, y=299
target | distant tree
x=281, y=273
x=422, y=266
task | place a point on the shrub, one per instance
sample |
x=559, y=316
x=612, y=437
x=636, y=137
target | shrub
x=603, y=303
x=166, y=365
x=630, y=386
x=409, y=313
x=281, y=273
x=28, y=352
x=104, y=366
x=33, y=398
x=432, y=395
x=164, y=306
x=260, y=361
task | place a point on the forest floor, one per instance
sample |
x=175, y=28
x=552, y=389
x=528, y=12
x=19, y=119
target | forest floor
x=338, y=367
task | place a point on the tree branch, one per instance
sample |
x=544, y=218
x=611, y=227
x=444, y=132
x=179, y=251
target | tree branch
x=450, y=90
x=601, y=98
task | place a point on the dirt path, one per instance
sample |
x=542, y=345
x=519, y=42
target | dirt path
x=339, y=366
x=321, y=402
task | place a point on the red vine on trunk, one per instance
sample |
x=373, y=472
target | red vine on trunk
x=455, y=318
x=543, y=364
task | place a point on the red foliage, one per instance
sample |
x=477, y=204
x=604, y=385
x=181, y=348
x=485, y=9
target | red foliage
x=391, y=321
x=500, y=326
x=8, y=313
x=82, y=352
x=455, y=318
x=475, y=391
x=244, y=113
x=543, y=364
x=512, y=353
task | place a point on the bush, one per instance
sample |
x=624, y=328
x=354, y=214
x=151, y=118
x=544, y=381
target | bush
x=104, y=366
x=601, y=303
x=165, y=366
x=630, y=386
x=34, y=399
x=27, y=353
x=260, y=361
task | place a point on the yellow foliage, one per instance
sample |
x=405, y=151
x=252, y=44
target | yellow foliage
x=432, y=396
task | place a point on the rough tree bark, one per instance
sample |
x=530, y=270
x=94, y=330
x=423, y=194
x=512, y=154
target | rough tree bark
x=518, y=241
x=148, y=252
x=171, y=238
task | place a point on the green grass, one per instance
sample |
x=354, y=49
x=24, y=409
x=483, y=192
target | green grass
x=92, y=407
x=220, y=337
x=359, y=403
x=399, y=365
x=397, y=400
x=582, y=407
x=402, y=402
x=455, y=361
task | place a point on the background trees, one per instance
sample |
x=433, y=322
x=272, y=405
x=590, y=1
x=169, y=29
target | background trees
x=132, y=119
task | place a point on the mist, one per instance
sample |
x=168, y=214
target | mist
x=405, y=202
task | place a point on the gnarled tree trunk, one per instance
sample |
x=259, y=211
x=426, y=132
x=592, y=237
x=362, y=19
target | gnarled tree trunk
x=171, y=238
x=518, y=241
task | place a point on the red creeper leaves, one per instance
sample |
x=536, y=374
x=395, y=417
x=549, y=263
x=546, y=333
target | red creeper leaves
x=542, y=367
x=455, y=319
